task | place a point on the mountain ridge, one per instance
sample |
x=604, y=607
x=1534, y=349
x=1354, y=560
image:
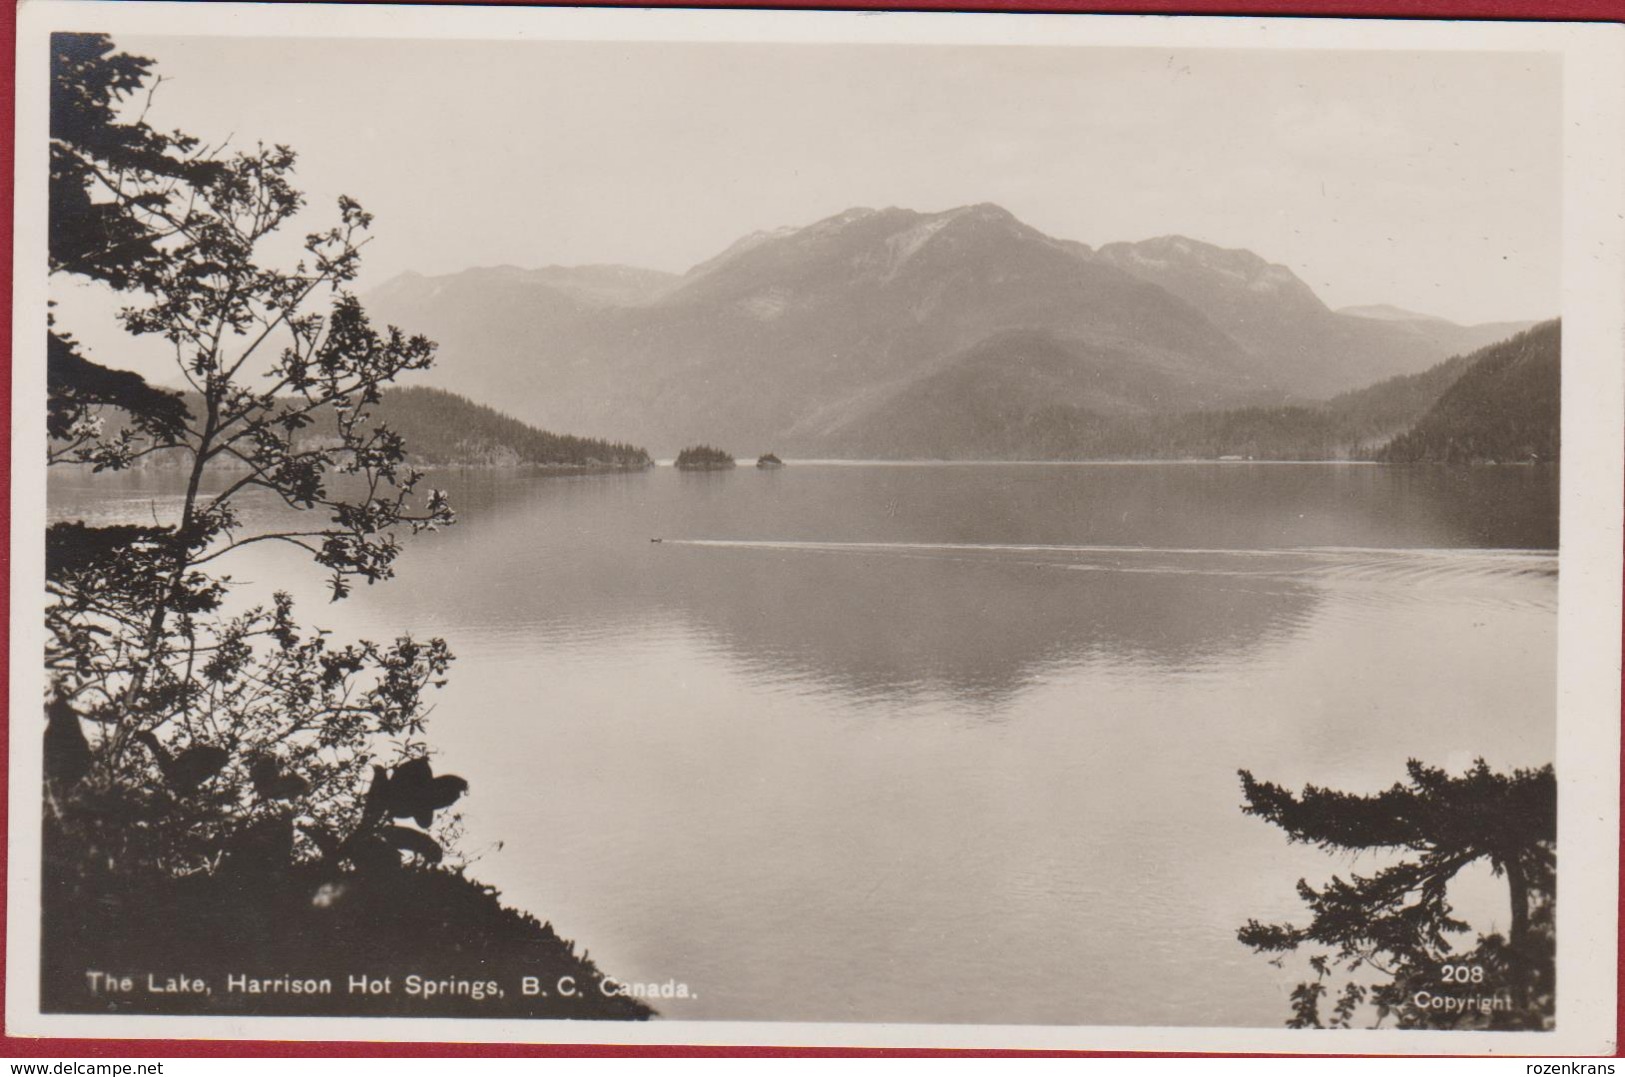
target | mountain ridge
x=794, y=337
x=1504, y=408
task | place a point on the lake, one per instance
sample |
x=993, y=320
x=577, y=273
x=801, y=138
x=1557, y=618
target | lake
x=950, y=743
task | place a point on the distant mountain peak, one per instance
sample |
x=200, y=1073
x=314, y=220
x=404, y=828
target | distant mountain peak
x=859, y=243
x=987, y=211
x=1233, y=262
x=833, y=225
x=593, y=285
x=1387, y=312
x=1178, y=262
x=741, y=246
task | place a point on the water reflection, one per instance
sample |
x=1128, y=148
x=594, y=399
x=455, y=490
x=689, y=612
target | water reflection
x=950, y=743
x=889, y=623
x=966, y=583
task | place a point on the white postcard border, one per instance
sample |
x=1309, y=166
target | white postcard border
x=1591, y=500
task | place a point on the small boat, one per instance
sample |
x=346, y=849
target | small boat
x=654, y=540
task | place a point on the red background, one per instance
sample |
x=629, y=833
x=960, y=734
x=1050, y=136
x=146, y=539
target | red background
x=1587, y=10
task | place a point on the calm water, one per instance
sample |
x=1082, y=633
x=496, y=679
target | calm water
x=952, y=743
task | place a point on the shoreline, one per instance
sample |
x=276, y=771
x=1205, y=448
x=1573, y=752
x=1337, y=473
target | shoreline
x=550, y=470
x=1114, y=462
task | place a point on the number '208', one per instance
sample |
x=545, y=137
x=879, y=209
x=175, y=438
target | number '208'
x=1463, y=974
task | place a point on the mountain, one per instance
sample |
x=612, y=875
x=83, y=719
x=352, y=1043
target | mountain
x=1438, y=331
x=1022, y=397
x=1504, y=408
x=1305, y=350
x=787, y=337
x=876, y=331
x=1021, y=394
x=586, y=286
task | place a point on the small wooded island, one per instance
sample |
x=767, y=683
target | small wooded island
x=704, y=458
x=769, y=461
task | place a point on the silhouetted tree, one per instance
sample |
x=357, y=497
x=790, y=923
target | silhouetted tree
x=186, y=737
x=117, y=190
x=1398, y=922
x=221, y=784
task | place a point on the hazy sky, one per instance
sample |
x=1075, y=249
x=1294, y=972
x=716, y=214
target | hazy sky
x=1428, y=180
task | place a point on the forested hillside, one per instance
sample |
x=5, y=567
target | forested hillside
x=1505, y=407
x=970, y=408
x=444, y=428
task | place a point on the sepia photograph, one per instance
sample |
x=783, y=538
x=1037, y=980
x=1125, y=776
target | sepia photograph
x=821, y=528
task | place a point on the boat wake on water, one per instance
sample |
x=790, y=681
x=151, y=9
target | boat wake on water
x=1330, y=564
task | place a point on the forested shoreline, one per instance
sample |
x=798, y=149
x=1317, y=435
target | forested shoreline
x=1495, y=405
x=443, y=429
x=1498, y=404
